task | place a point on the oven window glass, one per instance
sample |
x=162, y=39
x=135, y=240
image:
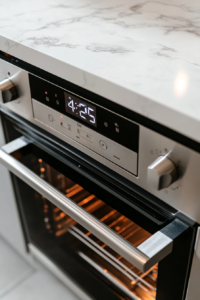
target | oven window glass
x=69, y=236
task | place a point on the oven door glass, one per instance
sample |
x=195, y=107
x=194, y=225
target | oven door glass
x=66, y=219
x=68, y=233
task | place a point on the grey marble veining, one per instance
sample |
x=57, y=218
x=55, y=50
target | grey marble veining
x=142, y=54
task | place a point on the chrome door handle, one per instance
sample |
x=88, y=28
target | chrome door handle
x=143, y=257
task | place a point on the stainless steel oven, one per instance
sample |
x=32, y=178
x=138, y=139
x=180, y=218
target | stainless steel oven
x=98, y=187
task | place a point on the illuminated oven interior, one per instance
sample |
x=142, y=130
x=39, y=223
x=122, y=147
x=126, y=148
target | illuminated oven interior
x=115, y=269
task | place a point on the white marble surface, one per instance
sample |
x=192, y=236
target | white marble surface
x=142, y=54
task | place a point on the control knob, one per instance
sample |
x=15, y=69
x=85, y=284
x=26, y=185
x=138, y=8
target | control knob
x=8, y=90
x=161, y=173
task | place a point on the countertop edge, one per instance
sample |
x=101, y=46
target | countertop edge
x=140, y=104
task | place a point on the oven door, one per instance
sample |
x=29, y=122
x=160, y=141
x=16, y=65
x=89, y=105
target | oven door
x=67, y=215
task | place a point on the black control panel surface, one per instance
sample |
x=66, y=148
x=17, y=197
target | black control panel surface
x=101, y=120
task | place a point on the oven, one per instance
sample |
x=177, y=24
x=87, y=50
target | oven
x=87, y=176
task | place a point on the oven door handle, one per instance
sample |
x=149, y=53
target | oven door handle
x=143, y=257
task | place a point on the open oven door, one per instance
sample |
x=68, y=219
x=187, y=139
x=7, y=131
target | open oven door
x=99, y=226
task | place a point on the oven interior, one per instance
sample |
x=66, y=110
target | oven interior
x=120, y=274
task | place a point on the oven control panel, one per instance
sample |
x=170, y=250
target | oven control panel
x=93, y=126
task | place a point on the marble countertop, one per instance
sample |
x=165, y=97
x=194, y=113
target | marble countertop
x=144, y=55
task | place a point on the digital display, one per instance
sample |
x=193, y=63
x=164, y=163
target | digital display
x=82, y=110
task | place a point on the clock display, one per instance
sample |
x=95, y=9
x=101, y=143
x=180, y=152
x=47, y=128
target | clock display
x=82, y=110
